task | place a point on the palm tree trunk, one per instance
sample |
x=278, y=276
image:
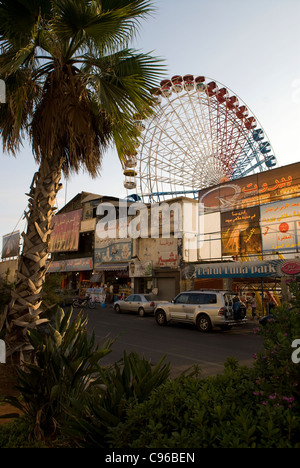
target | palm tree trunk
x=25, y=307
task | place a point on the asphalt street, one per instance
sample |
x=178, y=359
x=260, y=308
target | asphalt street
x=182, y=344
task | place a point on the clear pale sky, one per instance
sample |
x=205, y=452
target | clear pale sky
x=253, y=48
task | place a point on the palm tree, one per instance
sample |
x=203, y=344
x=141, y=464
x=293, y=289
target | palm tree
x=73, y=85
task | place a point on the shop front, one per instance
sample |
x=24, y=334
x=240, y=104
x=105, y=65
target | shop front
x=141, y=274
x=114, y=277
x=75, y=273
x=268, y=279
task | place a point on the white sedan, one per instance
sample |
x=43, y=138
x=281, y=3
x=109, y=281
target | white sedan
x=141, y=303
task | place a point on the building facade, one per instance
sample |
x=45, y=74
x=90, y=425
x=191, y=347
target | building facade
x=242, y=235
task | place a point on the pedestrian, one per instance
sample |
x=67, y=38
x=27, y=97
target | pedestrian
x=252, y=303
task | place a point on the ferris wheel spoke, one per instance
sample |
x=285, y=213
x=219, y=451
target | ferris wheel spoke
x=200, y=135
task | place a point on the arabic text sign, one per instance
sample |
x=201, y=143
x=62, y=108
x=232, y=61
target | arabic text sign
x=79, y=264
x=258, y=189
x=280, y=226
x=65, y=235
x=241, y=232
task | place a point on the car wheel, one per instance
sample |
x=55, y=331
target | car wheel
x=141, y=312
x=117, y=308
x=160, y=318
x=204, y=323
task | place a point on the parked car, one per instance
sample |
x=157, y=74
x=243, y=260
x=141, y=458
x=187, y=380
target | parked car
x=141, y=303
x=205, y=309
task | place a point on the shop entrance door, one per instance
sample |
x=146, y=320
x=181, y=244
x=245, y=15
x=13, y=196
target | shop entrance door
x=166, y=288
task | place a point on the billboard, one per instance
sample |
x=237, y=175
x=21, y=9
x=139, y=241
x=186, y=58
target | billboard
x=258, y=214
x=112, y=250
x=240, y=232
x=265, y=187
x=65, y=234
x=10, y=244
x=280, y=226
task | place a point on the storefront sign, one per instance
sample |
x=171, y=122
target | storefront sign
x=291, y=268
x=80, y=264
x=273, y=268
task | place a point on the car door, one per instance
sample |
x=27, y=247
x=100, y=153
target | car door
x=195, y=302
x=136, y=303
x=178, y=309
x=128, y=303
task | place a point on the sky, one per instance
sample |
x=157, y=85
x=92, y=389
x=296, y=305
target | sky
x=253, y=48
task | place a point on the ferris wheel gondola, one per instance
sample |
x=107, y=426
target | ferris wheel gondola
x=202, y=134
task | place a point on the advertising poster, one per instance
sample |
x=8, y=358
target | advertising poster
x=259, y=189
x=280, y=226
x=10, y=244
x=65, y=234
x=112, y=251
x=241, y=233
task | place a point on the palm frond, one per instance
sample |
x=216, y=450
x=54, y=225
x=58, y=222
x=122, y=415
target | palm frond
x=22, y=92
x=89, y=83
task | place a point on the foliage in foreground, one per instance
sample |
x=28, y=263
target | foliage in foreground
x=66, y=361
x=218, y=412
x=134, y=404
x=243, y=407
x=127, y=383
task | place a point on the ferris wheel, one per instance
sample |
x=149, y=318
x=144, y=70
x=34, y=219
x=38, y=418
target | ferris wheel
x=201, y=135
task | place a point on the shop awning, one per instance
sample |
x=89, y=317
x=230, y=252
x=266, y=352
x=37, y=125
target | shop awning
x=112, y=267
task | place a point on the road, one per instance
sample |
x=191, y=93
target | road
x=182, y=344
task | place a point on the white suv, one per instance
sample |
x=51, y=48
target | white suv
x=205, y=309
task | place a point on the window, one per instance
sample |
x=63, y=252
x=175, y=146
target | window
x=130, y=298
x=196, y=299
x=182, y=299
x=210, y=299
x=202, y=299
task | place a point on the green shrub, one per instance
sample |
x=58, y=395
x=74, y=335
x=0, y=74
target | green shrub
x=277, y=376
x=134, y=404
x=125, y=384
x=15, y=435
x=66, y=361
x=243, y=407
x=216, y=412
